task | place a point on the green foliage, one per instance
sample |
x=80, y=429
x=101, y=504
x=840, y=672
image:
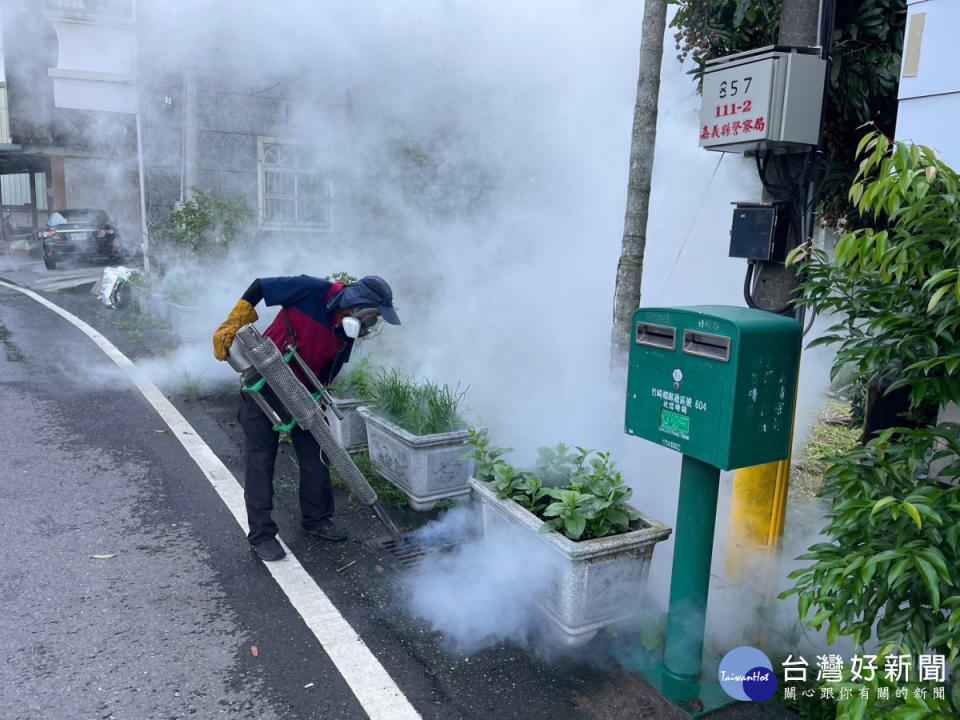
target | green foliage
x=342, y=277
x=385, y=490
x=421, y=408
x=142, y=280
x=894, y=553
x=191, y=386
x=865, y=69
x=895, y=287
x=205, y=223
x=356, y=383
x=845, y=701
x=892, y=559
x=139, y=323
x=582, y=495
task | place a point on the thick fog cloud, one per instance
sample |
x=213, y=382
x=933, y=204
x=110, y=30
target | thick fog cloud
x=480, y=156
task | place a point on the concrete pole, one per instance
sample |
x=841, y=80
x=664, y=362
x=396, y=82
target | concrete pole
x=760, y=493
x=191, y=174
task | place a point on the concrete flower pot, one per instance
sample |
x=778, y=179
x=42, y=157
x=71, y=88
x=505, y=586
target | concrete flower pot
x=426, y=467
x=595, y=582
x=190, y=323
x=351, y=432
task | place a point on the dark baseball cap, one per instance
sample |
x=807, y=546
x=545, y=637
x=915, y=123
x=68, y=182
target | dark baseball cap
x=369, y=291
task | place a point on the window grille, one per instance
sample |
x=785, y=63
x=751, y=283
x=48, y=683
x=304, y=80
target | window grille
x=294, y=193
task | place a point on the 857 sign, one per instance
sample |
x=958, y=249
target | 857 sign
x=731, y=90
x=735, y=105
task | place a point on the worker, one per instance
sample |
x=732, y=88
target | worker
x=321, y=319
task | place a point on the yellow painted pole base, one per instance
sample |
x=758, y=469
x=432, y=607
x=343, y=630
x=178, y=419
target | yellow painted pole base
x=756, y=516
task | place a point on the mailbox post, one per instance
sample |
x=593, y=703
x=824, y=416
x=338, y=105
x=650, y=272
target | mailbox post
x=717, y=384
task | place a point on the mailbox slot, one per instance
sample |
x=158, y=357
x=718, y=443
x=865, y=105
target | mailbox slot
x=658, y=336
x=715, y=347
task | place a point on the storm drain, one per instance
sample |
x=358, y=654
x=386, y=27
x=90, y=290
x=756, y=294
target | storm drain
x=404, y=556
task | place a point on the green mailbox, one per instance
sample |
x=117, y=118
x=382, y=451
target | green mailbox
x=715, y=383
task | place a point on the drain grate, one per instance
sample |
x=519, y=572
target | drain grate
x=415, y=550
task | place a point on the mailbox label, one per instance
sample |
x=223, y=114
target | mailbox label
x=675, y=423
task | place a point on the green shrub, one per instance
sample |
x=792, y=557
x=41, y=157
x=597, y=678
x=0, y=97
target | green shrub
x=356, y=383
x=205, y=223
x=421, y=408
x=580, y=494
x=888, y=565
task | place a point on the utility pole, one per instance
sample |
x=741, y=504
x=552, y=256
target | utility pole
x=799, y=26
x=643, y=140
x=760, y=493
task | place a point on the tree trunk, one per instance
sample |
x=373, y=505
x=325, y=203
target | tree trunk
x=642, y=143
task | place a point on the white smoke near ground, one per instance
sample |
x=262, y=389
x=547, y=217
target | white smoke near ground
x=483, y=591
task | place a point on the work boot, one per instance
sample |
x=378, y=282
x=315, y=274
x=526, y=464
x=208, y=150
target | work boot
x=268, y=550
x=326, y=529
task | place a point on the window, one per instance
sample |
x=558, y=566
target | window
x=294, y=192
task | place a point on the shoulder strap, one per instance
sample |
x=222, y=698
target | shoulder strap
x=291, y=333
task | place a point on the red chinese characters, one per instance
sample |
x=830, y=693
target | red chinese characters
x=735, y=128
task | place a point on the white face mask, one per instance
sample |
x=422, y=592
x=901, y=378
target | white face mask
x=351, y=327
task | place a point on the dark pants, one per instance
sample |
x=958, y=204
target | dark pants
x=316, y=493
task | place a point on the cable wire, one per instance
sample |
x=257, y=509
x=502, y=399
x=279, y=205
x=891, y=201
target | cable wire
x=693, y=222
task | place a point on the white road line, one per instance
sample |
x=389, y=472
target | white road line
x=371, y=684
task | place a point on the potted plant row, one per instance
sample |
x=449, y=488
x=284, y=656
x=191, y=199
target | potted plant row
x=575, y=503
x=416, y=437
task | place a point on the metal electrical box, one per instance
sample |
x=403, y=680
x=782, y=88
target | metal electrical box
x=716, y=383
x=765, y=99
x=759, y=232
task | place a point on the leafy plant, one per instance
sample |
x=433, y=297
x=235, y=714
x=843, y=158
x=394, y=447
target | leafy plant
x=890, y=565
x=356, y=383
x=894, y=287
x=421, y=408
x=555, y=466
x=864, y=71
x=342, y=277
x=894, y=553
x=205, y=222
x=191, y=385
x=139, y=323
x=486, y=455
x=853, y=706
x=581, y=494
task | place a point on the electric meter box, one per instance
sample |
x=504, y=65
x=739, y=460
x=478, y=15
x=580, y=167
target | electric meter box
x=765, y=99
x=759, y=232
x=714, y=382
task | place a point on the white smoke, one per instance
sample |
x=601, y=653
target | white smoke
x=479, y=153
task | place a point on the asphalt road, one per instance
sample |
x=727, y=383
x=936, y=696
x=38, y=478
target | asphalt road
x=177, y=619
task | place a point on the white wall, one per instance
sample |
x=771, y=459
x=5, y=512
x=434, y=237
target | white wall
x=96, y=63
x=930, y=101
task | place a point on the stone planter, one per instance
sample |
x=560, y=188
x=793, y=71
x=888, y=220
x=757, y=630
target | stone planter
x=351, y=432
x=596, y=582
x=190, y=323
x=426, y=467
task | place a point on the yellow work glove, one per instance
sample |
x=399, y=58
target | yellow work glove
x=242, y=314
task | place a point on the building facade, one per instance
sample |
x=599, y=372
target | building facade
x=86, y=120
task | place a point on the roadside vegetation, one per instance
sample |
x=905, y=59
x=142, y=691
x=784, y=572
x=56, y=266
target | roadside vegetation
x=887, y=574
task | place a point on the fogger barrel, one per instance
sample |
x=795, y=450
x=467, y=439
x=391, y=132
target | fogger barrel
x=261, y=353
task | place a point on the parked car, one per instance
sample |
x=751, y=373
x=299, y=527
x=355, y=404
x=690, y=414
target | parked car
x=83, y=234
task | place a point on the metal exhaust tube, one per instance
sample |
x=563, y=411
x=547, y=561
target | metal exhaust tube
x=263, y=355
